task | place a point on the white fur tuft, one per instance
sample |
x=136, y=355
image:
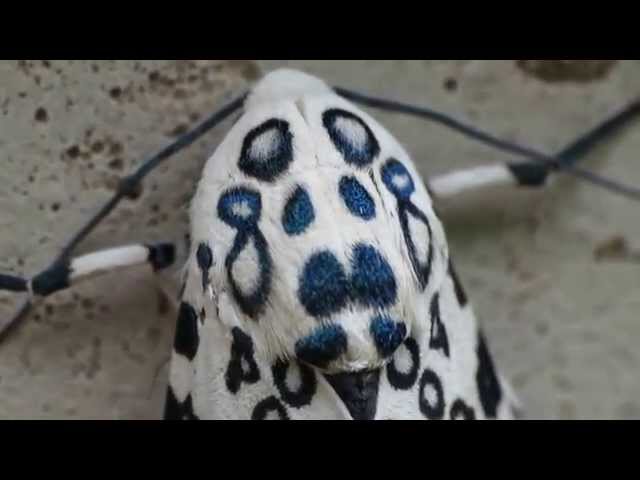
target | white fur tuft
x=285, y=84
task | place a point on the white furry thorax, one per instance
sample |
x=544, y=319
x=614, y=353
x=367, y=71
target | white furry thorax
x=317, y=166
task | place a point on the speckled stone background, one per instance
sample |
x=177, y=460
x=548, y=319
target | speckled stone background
x=553, y=275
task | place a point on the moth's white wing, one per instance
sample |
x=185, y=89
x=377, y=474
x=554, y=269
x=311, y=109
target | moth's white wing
x=216, y=373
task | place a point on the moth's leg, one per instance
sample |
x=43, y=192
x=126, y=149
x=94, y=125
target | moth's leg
x=64, y=274
x=565, y=161
x=462, y=181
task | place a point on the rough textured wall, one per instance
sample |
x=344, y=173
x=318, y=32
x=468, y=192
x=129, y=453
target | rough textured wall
x=563, y=325
x=70, y=130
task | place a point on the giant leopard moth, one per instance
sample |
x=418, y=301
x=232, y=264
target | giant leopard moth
x=356, y=305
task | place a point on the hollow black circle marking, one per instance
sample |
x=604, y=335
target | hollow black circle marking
x=172, y=410
x=405, y=380
x=439, y=339
x=240, y=208
x=351, y=136
x=305, y=392
x=267, y=150
x=433, y=411
x=268, y=405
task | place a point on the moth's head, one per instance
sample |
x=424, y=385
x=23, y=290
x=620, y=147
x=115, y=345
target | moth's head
x=322, y=235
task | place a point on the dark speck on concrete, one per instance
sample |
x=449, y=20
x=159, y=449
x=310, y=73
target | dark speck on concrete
x=578, y=71
x=41, y=115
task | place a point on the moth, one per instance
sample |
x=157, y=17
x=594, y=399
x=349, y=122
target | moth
x=319, y=282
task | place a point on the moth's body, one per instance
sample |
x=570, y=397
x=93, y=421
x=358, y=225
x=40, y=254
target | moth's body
x=319, y=284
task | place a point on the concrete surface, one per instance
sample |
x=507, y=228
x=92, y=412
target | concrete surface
x=563, y=325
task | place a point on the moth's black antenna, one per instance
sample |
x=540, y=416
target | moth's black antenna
x=564, y=161
x=128, y=185
x=127, y=188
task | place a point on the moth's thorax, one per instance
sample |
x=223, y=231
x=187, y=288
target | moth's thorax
x=321, y=233
x=285, y=85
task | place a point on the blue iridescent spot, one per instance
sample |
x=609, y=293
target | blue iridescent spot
x=240, y=207
x=324, y=287
x=298, y=212
x=397, y=179
x=373, y=283
x=324, y=345
x=356, y=198
x=387, y=334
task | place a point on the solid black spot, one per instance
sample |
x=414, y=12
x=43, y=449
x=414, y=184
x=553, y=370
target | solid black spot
x=187, y=339
x=405, y=380
x=268, y=405
x=439, y=339
x=245, y=222
x=270, y=164
x=305, y=392
x=460, y=293
x=241, y=348
x=487, y=380
x=461, y=411
x=204, y=257
x=172, y=407
x=433, y=411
